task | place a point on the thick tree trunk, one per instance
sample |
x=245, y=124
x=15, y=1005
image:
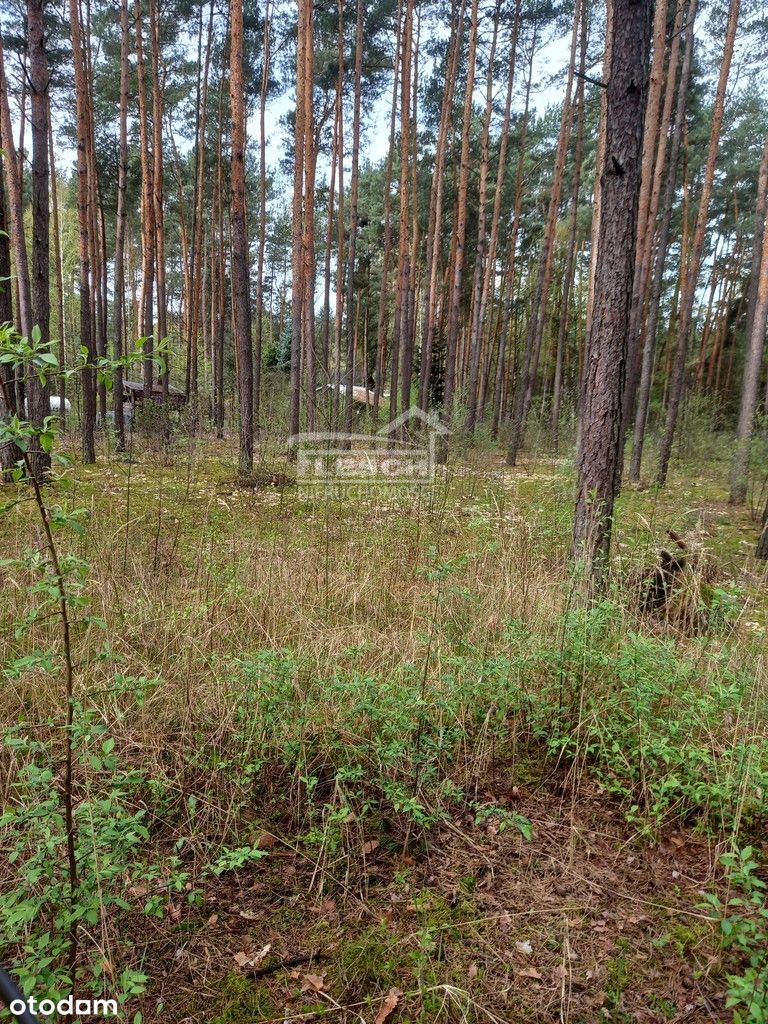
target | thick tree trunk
x=604, y=378
x=677, y=383
x=241, y=296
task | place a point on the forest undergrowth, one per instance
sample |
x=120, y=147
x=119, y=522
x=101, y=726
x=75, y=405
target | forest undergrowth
x=377, y=759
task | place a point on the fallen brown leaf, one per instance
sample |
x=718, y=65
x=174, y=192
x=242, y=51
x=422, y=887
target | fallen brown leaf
x=389, y=1005
x=313, y=983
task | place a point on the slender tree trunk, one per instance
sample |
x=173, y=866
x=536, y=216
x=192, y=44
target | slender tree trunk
x=476, y=326
x=434, y=232
x=570, y=260
x=383, y=321
x=297, y=262
x=489, y=282
x=527, y=377
x=677, y=384
x=460, y=232
x=58, y=270
x=499, y=406
x=262, y=218
x=600, y=448
x=120, y=222
x=646, y=371
x=654, y=143
x=84, y=222
x=158, y=189
x=754, y=355
x=354, y=185
x=241, y=297
x=10, y=454
x=38, y=404
x=146, y=315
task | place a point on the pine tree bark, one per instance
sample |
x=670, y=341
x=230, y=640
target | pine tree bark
x=38, y=403
x=677, y=383
x=158, y=197
x=257, y=350
x=605, y=369
x=241, y=298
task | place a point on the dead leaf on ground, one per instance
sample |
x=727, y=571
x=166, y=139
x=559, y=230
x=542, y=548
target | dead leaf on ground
x=247, y=961
x=524, y=947
x=389, y=1005
x=530, y=972
x=370, y=846
x=313, y=983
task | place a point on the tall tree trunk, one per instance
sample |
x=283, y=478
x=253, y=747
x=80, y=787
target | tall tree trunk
x=158, y=189
x=400, y=329
x=59, y=272
x=489, y=282
x=677, y=384
x=147, y=217
x=383, y=321
x=120, y=222
x=754, y=355
x=434, y=232
x=530, y=361
x=654, y=142
x=262, y=218
x=84, y=223
x=241, y=297
x=570, y=259
x=297, y=262
x=354, y=185
x=600, y=448
x=460, y=232
x=476, y=326
x=38, y=404
x=646, y=371
x=499, y=407
x=10, y=453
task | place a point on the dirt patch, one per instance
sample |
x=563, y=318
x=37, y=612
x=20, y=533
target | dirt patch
x=582, y=923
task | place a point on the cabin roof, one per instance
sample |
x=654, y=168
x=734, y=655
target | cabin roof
x=157, y=389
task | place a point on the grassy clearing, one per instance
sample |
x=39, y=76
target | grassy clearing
x=387, y=704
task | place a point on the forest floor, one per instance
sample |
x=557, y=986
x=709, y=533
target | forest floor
x=373, y=759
